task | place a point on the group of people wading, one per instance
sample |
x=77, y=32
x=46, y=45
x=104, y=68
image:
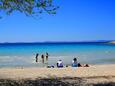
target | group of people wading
x=60, y=62
x=42, y=57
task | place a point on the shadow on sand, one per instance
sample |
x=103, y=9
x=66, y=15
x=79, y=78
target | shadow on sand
x=51, y=82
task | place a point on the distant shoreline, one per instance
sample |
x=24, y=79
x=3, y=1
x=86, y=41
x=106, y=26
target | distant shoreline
x=113, y=42
x=62, y=42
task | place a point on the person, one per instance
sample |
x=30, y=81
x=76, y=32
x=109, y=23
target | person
x=83, y=65
x=67, y=66
x=86, y=65
x=47, y=56
x=50, y=66
x=36, y=57
x=60, y=64
x=42, y=56
x=74, y=63
x=79, y=65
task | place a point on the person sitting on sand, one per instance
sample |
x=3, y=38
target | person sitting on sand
x=86, y=65
x=79, y=65
x=74, y=63
x=83, y=65
x=60, y=64
x=50, y=66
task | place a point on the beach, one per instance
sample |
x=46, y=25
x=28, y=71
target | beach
x=104, y=73
x=18, y=65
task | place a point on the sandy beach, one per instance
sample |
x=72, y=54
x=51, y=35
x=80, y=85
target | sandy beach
x=92, y=74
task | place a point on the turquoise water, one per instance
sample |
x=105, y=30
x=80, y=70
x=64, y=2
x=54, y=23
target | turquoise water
x=23, y=54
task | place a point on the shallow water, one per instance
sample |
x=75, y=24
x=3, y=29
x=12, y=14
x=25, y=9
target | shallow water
x=23, y=54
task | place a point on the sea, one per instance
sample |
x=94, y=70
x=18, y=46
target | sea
x=23, y=54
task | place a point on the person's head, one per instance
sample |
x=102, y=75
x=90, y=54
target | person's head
x=75, y=59
x=47, y=54
x=60, y=60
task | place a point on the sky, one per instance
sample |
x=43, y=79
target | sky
x=76, y=20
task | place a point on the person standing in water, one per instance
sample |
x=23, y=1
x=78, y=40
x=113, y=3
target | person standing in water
x=36, y=57
x=42, y=56
x=47, y=56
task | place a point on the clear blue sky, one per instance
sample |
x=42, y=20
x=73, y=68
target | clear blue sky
x=76, y=20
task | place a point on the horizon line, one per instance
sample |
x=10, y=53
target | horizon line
x=63, y=41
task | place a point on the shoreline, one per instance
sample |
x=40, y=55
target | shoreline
x=42, y=67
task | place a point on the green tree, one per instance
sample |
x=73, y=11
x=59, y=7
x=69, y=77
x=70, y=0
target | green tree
x=28, y=7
